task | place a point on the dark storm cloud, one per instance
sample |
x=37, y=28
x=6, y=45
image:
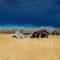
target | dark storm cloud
x=35, y=12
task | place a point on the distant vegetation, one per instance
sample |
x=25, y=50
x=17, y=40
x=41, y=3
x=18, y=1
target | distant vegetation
x=52, y=31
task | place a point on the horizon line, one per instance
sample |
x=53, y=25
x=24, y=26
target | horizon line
x=26, y=26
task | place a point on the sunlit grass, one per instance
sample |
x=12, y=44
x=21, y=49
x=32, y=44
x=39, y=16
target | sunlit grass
x=29, y=49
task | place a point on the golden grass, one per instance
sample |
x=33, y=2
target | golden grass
x=29, y=49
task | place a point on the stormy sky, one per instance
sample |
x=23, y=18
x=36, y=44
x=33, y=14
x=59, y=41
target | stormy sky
x=30, y=13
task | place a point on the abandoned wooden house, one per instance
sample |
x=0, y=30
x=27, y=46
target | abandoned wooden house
x=40, y=34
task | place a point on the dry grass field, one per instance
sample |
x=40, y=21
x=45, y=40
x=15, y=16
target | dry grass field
x=29, y=49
